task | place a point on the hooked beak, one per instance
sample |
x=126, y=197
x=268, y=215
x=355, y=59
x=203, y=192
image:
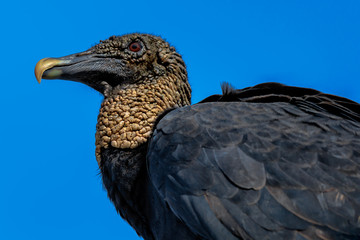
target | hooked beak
x=47, y=64
x=86, y=67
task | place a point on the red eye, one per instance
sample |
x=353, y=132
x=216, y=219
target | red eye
x=135, y=46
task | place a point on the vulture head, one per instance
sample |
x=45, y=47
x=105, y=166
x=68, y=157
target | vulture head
x=117, y=61
x=140, y=76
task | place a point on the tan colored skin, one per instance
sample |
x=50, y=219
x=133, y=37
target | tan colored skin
x=127, y=116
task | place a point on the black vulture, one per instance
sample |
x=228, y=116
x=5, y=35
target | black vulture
x=264, y=162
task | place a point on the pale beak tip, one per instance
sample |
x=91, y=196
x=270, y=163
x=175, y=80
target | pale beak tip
x=45, y=64
x=39, y=70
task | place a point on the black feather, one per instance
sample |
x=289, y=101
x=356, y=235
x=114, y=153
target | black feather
x=297, y=158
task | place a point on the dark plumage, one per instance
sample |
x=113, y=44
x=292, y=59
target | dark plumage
x=266, y=162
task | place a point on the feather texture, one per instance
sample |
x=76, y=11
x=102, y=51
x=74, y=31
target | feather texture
x=249, y=170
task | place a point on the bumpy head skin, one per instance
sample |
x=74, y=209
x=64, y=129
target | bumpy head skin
x=139, y=75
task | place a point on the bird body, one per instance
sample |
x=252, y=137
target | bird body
x=266, y=162
x=260, y=174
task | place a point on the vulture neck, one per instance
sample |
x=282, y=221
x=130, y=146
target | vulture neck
x=128, y=113
x=125, y=124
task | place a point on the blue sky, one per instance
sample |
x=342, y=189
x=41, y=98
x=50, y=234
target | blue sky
x=49, y=183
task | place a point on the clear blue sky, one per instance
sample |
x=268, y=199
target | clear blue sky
x=49, y=182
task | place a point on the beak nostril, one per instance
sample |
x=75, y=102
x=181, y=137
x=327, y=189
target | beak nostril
x=83, y=53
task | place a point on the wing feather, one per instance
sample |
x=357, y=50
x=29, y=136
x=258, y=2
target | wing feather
x=259, y=171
